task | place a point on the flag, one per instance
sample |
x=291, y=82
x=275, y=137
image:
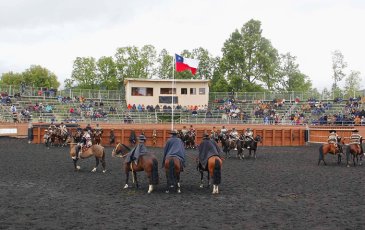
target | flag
x=183, y=64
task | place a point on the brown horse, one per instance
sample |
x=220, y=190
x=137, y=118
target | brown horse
x=355, y=151
x=214, y=168
x=173, y=168
x=95, y=150
x=332, y=149
x=146, y=162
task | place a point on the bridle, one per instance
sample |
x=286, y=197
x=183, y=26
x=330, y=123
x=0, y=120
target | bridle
x=119, y=151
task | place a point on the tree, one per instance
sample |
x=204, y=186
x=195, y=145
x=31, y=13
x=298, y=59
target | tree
x=11, y=78
x=84, y=73
x=221, y=85
x=134, y=63
x=38, y=76
x=352, y=84
x=248, y=55
x=107, y=73
x=165, y=65
x=291, y=79
x=338, y=66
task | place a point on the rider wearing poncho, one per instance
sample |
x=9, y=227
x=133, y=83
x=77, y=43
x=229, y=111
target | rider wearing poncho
x=234, y=134
x=248, y=134
x=139, y=150
x=85, y=141
x=207, y=149
x=332, y=138
x=132, y=138
x=175, y=148
x=356, y=139
x=223, y=130
x=184, y=131
x=63, y=129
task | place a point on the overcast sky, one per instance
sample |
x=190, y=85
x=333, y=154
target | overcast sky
x=52, y=33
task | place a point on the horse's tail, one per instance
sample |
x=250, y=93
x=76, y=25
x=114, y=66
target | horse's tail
x=154, y=176
x=217, y=173
x=172, y=172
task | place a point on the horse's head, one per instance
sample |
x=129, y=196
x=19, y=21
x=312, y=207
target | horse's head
x=120, y=150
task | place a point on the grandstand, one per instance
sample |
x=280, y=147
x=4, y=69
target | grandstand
x=73, y=106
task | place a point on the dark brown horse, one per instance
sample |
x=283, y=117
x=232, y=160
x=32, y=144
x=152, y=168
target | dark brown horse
x=214, y=168
x=356, y=152
x=95, y=150
x=331, y=149
x=173, y=168
x=147, y=163
x=249, y=144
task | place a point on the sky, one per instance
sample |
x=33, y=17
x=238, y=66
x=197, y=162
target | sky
x=53, y=33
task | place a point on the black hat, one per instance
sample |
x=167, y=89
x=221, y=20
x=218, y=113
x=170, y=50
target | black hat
x=206, y=135
x=332, y=131
x=355, y=131
x=173, y=132
x=141, y=138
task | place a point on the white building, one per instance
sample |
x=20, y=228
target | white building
x=160, y=92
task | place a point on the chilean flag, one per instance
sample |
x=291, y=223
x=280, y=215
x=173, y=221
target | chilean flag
x=183, y=64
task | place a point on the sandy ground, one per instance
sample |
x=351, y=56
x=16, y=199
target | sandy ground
x=283, y=189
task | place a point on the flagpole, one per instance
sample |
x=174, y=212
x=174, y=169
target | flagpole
x=172, y=92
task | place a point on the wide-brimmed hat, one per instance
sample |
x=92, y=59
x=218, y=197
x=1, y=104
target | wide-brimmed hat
x=355, y=131
x=174, y=132
x=206, y=135
x=332, y=131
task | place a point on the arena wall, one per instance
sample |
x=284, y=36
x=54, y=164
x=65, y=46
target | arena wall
x=273, y=135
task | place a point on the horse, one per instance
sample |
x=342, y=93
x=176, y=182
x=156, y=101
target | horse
x=355, y=151
x=332, y=149
x=228, y=144
x=214, y=168
x=189, y=140
x=249, y=144
x=173, y=168
x=97, y=151
x=146, y=162
x=61, y=137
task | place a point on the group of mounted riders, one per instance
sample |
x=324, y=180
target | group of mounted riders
x=336, y=146
x=85, y=137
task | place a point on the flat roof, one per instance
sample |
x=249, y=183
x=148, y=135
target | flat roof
x=126, y=80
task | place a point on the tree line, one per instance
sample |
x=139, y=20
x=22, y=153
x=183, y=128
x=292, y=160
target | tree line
x=249, y=63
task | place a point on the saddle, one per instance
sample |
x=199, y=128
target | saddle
x=85, y=148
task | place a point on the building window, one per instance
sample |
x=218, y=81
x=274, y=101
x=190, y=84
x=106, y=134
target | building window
x=167, y=91
x=192, y=91
x=201, y=91
x=142, y=91
x=167, y=99
x=184, y=91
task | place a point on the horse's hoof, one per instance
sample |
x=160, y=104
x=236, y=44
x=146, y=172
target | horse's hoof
x=348, y=166
x=78, y=167
x=201, y=186
x=104, y=171
x=125, y=186
x=179, y=191
x=94, y=170
x=167, y=191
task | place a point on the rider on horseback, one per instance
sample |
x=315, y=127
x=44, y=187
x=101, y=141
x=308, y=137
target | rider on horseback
x=332, y=138
x=63, y=129
x=214, y=135
x=207, y=149
x=184, y=131
x=233, y=134
x=356, y=139
x=174, y=147
x=85, y=142
x=139, y=150
x=223, y=130
x=192, y=130
x=248, y=134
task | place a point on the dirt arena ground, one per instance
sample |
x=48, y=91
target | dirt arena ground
x=283, y=189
